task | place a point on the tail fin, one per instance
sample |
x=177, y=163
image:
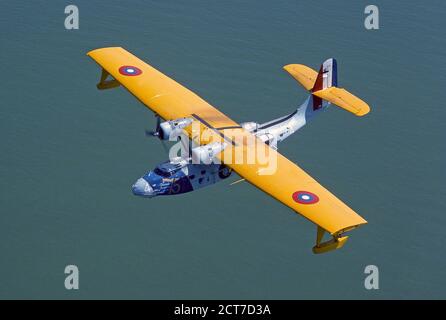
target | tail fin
x=327, y=76
x=324, y=85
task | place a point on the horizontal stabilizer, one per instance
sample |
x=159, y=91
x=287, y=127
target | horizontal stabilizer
x=344, y=99
x=303, y=74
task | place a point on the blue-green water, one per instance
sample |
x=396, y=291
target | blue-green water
x=70, y=153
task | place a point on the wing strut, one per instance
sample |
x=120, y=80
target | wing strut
x=107, y=84
x=336, y=242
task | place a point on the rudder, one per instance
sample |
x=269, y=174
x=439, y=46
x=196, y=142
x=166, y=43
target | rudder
x=327, y=76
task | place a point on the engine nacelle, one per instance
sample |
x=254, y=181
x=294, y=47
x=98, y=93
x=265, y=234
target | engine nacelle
x=205, y=154
x=249, y=126
x=172, y=129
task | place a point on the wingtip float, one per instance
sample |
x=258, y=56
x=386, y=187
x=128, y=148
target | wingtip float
x=181, y=108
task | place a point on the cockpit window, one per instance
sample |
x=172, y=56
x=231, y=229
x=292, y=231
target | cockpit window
x=167, y=169
x=161, y=173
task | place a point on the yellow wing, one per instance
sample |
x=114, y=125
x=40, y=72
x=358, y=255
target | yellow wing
x=296, y=189
x=287, y=183
x=161, y=94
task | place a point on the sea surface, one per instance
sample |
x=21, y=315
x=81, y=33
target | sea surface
x=70, y=153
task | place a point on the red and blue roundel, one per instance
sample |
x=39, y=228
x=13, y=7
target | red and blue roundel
x=305, y=197
x=130, y=71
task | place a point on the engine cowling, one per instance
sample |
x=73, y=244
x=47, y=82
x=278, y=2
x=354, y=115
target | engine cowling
x=205, y=154
x=170, y=130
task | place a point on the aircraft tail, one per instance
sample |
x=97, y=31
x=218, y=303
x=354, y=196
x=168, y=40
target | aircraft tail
x=323, y=85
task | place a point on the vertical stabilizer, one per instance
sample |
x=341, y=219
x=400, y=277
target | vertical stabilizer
x=327, y=76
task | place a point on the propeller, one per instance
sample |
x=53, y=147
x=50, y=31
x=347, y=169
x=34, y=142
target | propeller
x=156, y=133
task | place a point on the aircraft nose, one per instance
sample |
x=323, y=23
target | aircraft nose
x=142, y=188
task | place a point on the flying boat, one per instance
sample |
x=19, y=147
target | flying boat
x=217, y=146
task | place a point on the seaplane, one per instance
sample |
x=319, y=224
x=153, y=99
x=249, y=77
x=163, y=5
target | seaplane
x=217, y=146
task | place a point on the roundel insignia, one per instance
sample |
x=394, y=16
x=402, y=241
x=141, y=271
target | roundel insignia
x=305, y=197
x=130, y=71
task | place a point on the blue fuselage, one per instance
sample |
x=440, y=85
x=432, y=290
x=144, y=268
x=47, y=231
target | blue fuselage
x=170, y=178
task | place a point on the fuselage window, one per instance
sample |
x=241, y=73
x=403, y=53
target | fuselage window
x=203, y=171
x=200, y=180
x=192, y=177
